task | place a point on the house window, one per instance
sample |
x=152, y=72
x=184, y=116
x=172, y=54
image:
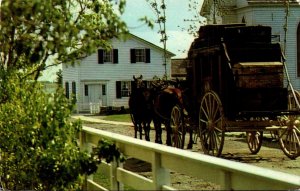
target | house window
x=140, y=55
x=108, y=56
x=86, y=90
x=123, y=88
x=74, y=88
x=67, y=90
x=103, y=89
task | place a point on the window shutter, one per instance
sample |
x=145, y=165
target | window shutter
x=86, y=90
x=132, y=56
x=118, y=89
x=100, y=56
x=67, y=89
x=147, y=55
x=115, y=56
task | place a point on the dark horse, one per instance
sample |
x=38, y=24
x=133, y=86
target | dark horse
x=166, y=97
x=140, y=106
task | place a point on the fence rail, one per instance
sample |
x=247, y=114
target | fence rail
x=163, y=159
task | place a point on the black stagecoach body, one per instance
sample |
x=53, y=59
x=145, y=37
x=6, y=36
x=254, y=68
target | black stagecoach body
x=236, y=77
x=235, y=83
x=242, y=65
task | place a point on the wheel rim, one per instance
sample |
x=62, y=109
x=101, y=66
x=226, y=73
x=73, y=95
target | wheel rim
x=290, y=142
x=292, y=105
x=289, y=137
x=211, y=124
x=254, y=140
x=177, y=126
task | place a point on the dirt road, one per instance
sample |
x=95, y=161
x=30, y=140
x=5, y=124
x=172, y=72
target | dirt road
x=235, y=149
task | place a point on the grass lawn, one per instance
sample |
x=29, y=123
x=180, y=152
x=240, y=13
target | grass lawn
x=102, y=179
x=118, y=117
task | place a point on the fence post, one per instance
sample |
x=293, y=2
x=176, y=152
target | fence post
x=161, y=176
x=115, y=185
x=225, y=180
x=82, y=145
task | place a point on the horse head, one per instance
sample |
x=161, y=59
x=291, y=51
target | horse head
x=139, y=81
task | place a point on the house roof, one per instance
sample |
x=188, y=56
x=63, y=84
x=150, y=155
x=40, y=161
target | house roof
x=271, y=1
x=170, y=54
x=206, y=8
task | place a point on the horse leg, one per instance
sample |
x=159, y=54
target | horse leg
x=141, y=131
x=191, y=142
x=169, y=132
x=135, y=130
x=158, y=132
x=147, y=130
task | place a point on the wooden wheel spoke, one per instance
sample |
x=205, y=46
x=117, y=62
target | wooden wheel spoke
x=203, y=121
x=218, y=129
x=254, y=140
x=296, y=132
x=295, y=140
x=206, y=107
x=212, y=106
x=283, y=133
x=217, y=138
x=211, y=124
x=216, y=110
x=206, y=115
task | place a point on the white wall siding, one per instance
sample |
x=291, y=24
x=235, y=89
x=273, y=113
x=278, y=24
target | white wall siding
x=108, y=73
x=274, y=16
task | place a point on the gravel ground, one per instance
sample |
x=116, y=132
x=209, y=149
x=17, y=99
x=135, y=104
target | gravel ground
x=235, y=149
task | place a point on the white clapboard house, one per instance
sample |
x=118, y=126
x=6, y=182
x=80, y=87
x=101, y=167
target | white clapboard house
x=103, y=79
x=269, y=13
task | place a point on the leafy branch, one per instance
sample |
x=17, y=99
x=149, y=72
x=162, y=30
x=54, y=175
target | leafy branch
x=159, y=10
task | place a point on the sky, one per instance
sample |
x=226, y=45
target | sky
x=176, y=11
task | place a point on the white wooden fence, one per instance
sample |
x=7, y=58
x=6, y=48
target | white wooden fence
x=163, y=159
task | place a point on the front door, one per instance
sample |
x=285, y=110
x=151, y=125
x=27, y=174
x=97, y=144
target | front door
x=103, y=92
x=95, y=93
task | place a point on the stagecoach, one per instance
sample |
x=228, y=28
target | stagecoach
x=235, y=79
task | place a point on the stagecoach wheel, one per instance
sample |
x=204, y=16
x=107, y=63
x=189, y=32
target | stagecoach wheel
x=292, y=104
x=254, y=140
x=289, y=140
x=211, y=124
x=178, y=128
x=289, y=136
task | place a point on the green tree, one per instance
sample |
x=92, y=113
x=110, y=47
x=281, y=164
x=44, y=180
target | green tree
x=59, y=78
x=38, y=144
x=196, y=19
x=33, y=31
x=159, y=9
x=38, y=139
